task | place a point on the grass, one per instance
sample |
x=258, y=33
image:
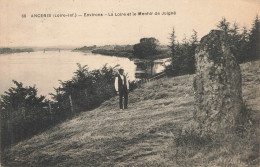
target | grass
x=154, y=131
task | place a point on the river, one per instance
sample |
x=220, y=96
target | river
x=46, y=69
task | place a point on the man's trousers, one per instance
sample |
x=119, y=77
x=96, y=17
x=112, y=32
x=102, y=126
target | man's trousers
x=123, y=93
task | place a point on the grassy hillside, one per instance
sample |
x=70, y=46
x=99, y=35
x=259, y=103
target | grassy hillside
x=146, y=134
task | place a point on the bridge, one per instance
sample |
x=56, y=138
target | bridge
x=51, y=49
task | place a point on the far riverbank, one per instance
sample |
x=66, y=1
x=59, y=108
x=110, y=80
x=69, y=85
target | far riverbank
x=15, y=50
x=121, y=53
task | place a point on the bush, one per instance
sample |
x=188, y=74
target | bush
x=86, y=90
x=23, y=114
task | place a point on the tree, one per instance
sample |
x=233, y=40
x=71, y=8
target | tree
x=23, y=113
x=172, y=67
x=234, y=40
x=238, y=42
x=240, y=48
x=146, y=48
x=224, y=25
x=183, y=55
x=254, y=43
x=172, y=42
x=193, y=45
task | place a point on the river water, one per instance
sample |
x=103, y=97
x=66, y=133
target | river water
x=46, y=69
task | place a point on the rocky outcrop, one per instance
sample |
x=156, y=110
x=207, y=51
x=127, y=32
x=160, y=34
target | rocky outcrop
x=217, y=84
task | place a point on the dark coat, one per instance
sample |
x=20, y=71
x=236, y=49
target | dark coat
x=120, y=83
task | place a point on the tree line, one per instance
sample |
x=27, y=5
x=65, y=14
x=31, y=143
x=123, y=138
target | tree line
x=13, y=50
x=244, y=45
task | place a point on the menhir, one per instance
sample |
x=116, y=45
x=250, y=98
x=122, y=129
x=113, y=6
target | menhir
x=217, y=85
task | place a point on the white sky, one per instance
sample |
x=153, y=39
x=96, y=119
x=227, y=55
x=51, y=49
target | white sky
x=201, y=15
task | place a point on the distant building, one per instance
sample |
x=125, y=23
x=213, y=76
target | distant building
x=146, y=69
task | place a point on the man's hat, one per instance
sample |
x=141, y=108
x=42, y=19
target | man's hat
x=120, y=69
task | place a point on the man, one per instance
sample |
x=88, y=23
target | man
x=122, y=88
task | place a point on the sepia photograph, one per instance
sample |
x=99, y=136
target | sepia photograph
x=129, y=83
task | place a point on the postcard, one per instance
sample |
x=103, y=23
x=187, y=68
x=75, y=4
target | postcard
x=129, y=82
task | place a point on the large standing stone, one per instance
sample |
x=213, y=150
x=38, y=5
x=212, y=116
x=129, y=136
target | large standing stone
x=217, y=84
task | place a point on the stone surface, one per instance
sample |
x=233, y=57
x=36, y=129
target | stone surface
x=217, y=84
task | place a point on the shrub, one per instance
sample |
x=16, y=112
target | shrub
x=23, y=114
x=86, y=90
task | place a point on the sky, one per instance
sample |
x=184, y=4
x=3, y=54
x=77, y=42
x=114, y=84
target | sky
x=200, y=15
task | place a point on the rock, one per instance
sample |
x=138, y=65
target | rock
x=217, y=84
